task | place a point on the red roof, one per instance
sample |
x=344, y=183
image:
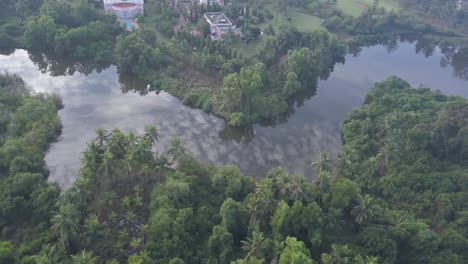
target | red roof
x=124, y=4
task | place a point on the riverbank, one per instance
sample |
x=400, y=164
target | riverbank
x=215, y=76
x=94, y=99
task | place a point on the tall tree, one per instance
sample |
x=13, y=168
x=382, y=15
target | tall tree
x=84, y=257
x=176, y=149
x=65, y=224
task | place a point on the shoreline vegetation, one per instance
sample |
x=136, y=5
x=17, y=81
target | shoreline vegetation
x=243, y=79
x=395, y=194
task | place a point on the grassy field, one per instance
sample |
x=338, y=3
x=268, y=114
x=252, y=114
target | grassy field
x=295, y=17
x=303, y=21
x=356, y=7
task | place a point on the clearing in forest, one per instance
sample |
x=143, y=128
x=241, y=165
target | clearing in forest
x=356, y=7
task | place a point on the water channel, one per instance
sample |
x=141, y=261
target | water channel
x=95, y=99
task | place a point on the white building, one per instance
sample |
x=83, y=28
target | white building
x=124, y=9
x=219, y=24
x=212, y=2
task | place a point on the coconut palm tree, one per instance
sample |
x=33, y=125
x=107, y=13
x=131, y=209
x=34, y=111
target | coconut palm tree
x=84, y=257
x=338, y=255
x=323, y=164
x=364, y=209
x=91, y=157
x=65, y=224
x=107, y=165
x=162, y=163
x=367, y=260
x=93, y=228
x=372, y=166
x=344, y=159
x=399, y=224
x=101, y=137
x=130, y=163
x=283, y=184
x=253, y=245
x=152, y=134
x=117, y=143
x=176, y=149
x=297, y=184
x=49, y=255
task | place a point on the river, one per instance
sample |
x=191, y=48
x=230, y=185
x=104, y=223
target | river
x=96, y=100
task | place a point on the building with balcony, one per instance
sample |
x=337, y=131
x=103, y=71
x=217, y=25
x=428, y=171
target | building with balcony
x=125, y=10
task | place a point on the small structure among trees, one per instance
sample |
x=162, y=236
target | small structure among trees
x=219, y=24
x=125, y=10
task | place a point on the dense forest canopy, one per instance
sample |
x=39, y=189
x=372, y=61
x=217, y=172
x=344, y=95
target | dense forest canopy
x=29, y=123
x=395, y=194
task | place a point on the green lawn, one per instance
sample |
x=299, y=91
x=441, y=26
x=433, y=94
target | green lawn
x=304, y=22
x=248, y=50
x=301, y=20
x=356, y=7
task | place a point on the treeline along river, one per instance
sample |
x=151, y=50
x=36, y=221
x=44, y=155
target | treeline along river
x=93, y=98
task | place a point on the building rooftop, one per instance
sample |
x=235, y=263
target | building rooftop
x=218, y=18
x=110, y=2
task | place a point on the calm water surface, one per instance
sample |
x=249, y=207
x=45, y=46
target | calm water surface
x=96, y=100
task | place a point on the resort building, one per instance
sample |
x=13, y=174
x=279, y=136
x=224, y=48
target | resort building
x=212, y=2
x=125, y=10
x=219, y=24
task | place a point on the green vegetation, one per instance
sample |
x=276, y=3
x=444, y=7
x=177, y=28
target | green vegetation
x=443, y=13
x=395, y=194
x=280, y=51
x=357, y=7
x=64, y=28
x=28, y=124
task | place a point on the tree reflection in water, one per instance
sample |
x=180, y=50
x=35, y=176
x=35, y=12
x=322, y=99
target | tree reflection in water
x=64, y=66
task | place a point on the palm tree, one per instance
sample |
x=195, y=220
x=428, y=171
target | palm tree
x=297, y=184
x=107, y=165
x=117, y=143
x=49, y=255
x=364, y=209
x=283, y=184
x=130, y=163
x=323, y=164
x=338, y=255
x=101, y=136
x=152, y=134
x=162, y=163
x=91, y=156
x=143, y=231
x=135, y=243
x=261, y=202
x=93, y=228
x=84, y=257
x=64, y=224
x=83, y=189
x=399, y=224
x=253, y=246
x=367, y=260
x=372, y=166
x=176, y=149
x=344, y=159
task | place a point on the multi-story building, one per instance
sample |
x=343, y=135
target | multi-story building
x=125, y=10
